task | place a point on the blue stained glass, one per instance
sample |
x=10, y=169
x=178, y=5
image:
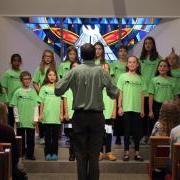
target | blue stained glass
x=104, y=21
x=114, y=21
x=77, y=21
x=83, y=30
x=67, y=21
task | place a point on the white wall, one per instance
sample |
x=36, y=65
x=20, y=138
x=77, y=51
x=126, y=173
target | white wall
x=15, y=38
x=166, y=35
x=92, y=8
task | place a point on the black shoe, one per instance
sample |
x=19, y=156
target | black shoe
x=71, y=157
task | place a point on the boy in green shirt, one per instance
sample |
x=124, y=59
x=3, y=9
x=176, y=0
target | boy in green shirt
x=117, y=68
x=11, y=82
x=25, y=103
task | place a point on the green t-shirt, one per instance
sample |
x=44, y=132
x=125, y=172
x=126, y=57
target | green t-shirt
x=38, y=77
x=26, y=100
x=117, y=68
x=69, y=95
x=51, y=112
x=3, y=97
x=148, y=71
x=11, y=82
x=97, y=61
x=132, y=87
x=163, y=89
x=176, y=74
x=108, y=105
x=63, y=68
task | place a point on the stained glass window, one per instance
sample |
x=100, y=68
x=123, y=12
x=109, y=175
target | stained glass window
x=59, y=33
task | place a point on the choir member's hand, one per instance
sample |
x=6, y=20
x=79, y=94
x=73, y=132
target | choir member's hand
x=40, y=118
x=17, y=124
x=151, y=114
x=120, y=111
x=142, y=114
x=113, y=116
x=66, y=117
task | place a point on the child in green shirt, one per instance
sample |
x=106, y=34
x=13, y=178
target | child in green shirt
x=174, y=62
x=71, y=57
x=11, y=82
x=131, y=105
x=149, y=60
x=25, y=105
x=117, y=68
x=51, y=114
x=47, y=61
x=161, y=89
x=68, y=113
x=100, y=54
x=109, y=114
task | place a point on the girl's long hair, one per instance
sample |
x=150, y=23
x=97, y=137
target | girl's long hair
x=169, y=117
x=153, y=54
x=46, y=79
x=102, y=60
x=69, y=49
x=42, y=64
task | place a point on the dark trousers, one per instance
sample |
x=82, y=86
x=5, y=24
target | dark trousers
x=107, y=139
x=41, y=130
x=69, y=133
x=11, y=119
x=156, y=110
x=28, y=141
x=132, y=124
x=51, y=132
x=146, y=120
x=88, y=131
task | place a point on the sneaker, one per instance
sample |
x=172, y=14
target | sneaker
x=41, y=141
x=101, y=156
x=138, y=158
x=110, y=157
x=48, y=157
x=54, y=157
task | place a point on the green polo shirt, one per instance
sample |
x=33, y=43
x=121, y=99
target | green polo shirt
x=87, y=82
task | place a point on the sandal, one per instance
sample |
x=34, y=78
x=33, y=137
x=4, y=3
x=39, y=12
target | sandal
x=138, y=158
x=126, y=157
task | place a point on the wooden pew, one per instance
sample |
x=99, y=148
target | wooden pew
x=176, y=161
x=5, y=161
x=159, y=152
